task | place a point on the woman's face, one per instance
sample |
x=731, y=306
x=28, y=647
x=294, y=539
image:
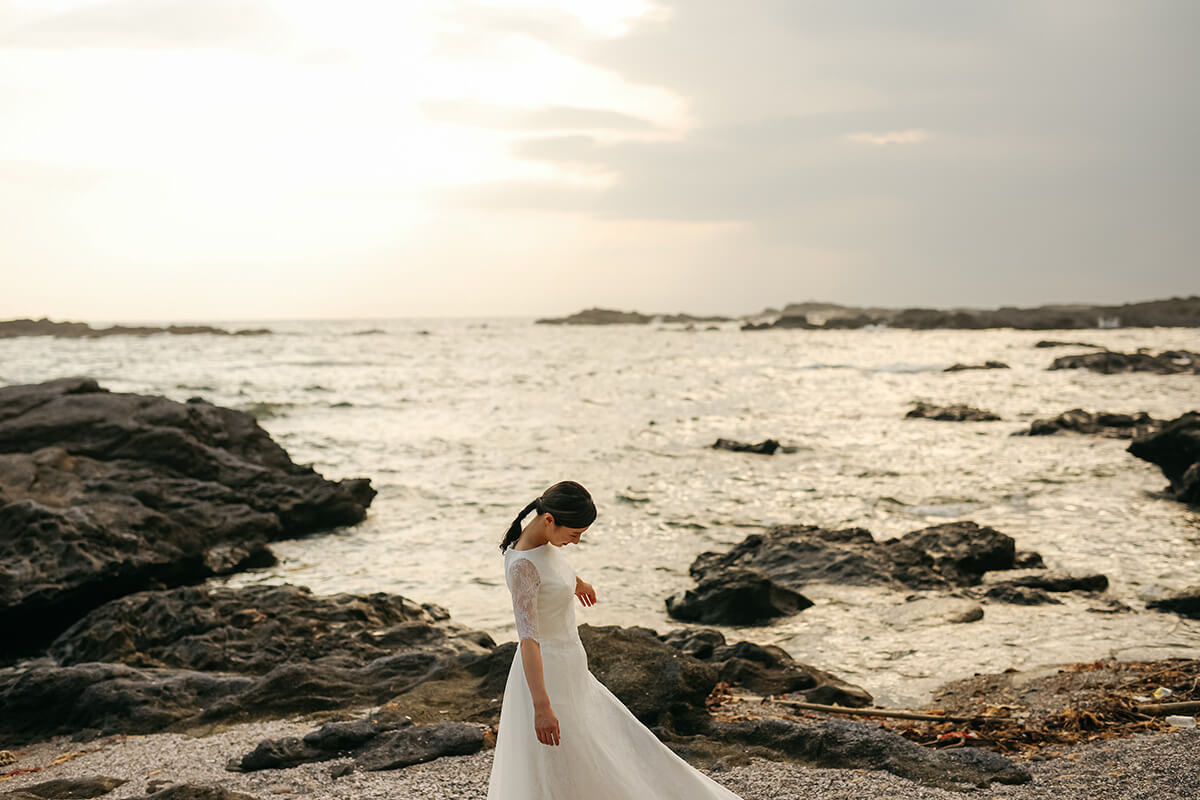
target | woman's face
x=560, y=535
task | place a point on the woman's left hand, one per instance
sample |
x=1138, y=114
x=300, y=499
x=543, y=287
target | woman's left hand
x=585, y=592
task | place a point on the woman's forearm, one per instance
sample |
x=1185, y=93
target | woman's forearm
x=531, y=660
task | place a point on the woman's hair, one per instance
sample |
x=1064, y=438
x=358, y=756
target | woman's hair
x=569, y=502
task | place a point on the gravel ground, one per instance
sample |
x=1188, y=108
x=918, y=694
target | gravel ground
x=1162, y=766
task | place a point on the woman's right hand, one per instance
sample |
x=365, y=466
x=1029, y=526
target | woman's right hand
x=545, y=724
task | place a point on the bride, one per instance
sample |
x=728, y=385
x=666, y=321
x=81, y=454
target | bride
x=563, y=735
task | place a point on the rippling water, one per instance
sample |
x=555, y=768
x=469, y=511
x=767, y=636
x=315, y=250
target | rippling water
x=460, y=423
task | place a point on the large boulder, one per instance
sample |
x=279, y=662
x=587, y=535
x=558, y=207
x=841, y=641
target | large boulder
x=1176, y=451
x=1185, y=602
x=939, y=557
x=736, y=597
x=104, y=493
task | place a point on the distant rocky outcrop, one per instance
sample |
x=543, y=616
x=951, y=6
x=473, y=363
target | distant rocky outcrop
x=1100, y=423
x=984, y=365
x=105, y=493
x=1107, y=362
x=1176, y=450
x=766, y=447
x=81, y=330
x=1181, y=312
x=951, y=413
x=608, y=316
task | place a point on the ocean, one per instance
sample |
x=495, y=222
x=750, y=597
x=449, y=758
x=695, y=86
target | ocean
x=461, y=422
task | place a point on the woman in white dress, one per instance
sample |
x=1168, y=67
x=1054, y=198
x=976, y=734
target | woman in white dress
x=563, y=735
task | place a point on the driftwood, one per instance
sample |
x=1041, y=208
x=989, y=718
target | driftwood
x=861, y=712
x=1156, y=709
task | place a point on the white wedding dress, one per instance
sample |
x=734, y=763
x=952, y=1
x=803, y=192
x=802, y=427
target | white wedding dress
x=604, y=751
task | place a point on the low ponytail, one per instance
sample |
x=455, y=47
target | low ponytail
x=514, y=531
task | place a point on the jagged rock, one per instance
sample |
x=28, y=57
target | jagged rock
x=844, y=744
x=1166, y=363
x=419, y=743
x=140, y=491
x=1104, y=423
x=938, y=557
x=764, y=669
x=92, y=786
x=984, y=365
x=766, y=447
x=254, y=629
x=737, y=597
x=1176, y=451
x=1185, y=603
x=952, y=413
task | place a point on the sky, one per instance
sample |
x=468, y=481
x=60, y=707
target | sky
x=194, y=160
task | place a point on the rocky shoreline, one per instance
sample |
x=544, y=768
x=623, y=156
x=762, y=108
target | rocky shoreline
x=1182, y=312
x=115, y=508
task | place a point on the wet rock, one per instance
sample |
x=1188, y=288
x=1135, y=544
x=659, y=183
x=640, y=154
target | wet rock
x=92, y=786
x=141, y=491
x=938, y=557
x=1103, y=423
x=1019, y=595
x=1169, y=362
x=736, y=597
x=952, y=413
x=1176, y=451
x=984, y=365
x=764, y=669
x=1185, y=603
x=766, y=447
x=1061, y=581
x=844, y=744
x=1044, y=343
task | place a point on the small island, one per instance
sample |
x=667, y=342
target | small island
x=12, y=328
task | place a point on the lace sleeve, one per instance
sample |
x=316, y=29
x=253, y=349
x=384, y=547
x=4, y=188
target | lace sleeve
x=523, y=582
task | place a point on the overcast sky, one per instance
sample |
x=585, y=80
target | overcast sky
x=270, y=159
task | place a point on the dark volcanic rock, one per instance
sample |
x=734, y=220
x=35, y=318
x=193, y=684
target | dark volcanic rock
x=254, y=629
x=1019, y=595
x=953, y=413
x=190, y=791
x=766, y=447
x=375, y=744
x=984, y=365
x=1176, y=451
x=1060, y=581
x=1051, y=343
x=737, y=597
x=939, y=557
x=76, y=330
x=1166, y=363
x=844, y=744
x=103, y=494
x=93, y=786
x=1185, y=603
x=415, y=744
x=1104, y=423
x=765, y=669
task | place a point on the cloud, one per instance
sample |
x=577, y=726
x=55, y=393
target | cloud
x=910, y=136
x=151, y=24
x=544, y=118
